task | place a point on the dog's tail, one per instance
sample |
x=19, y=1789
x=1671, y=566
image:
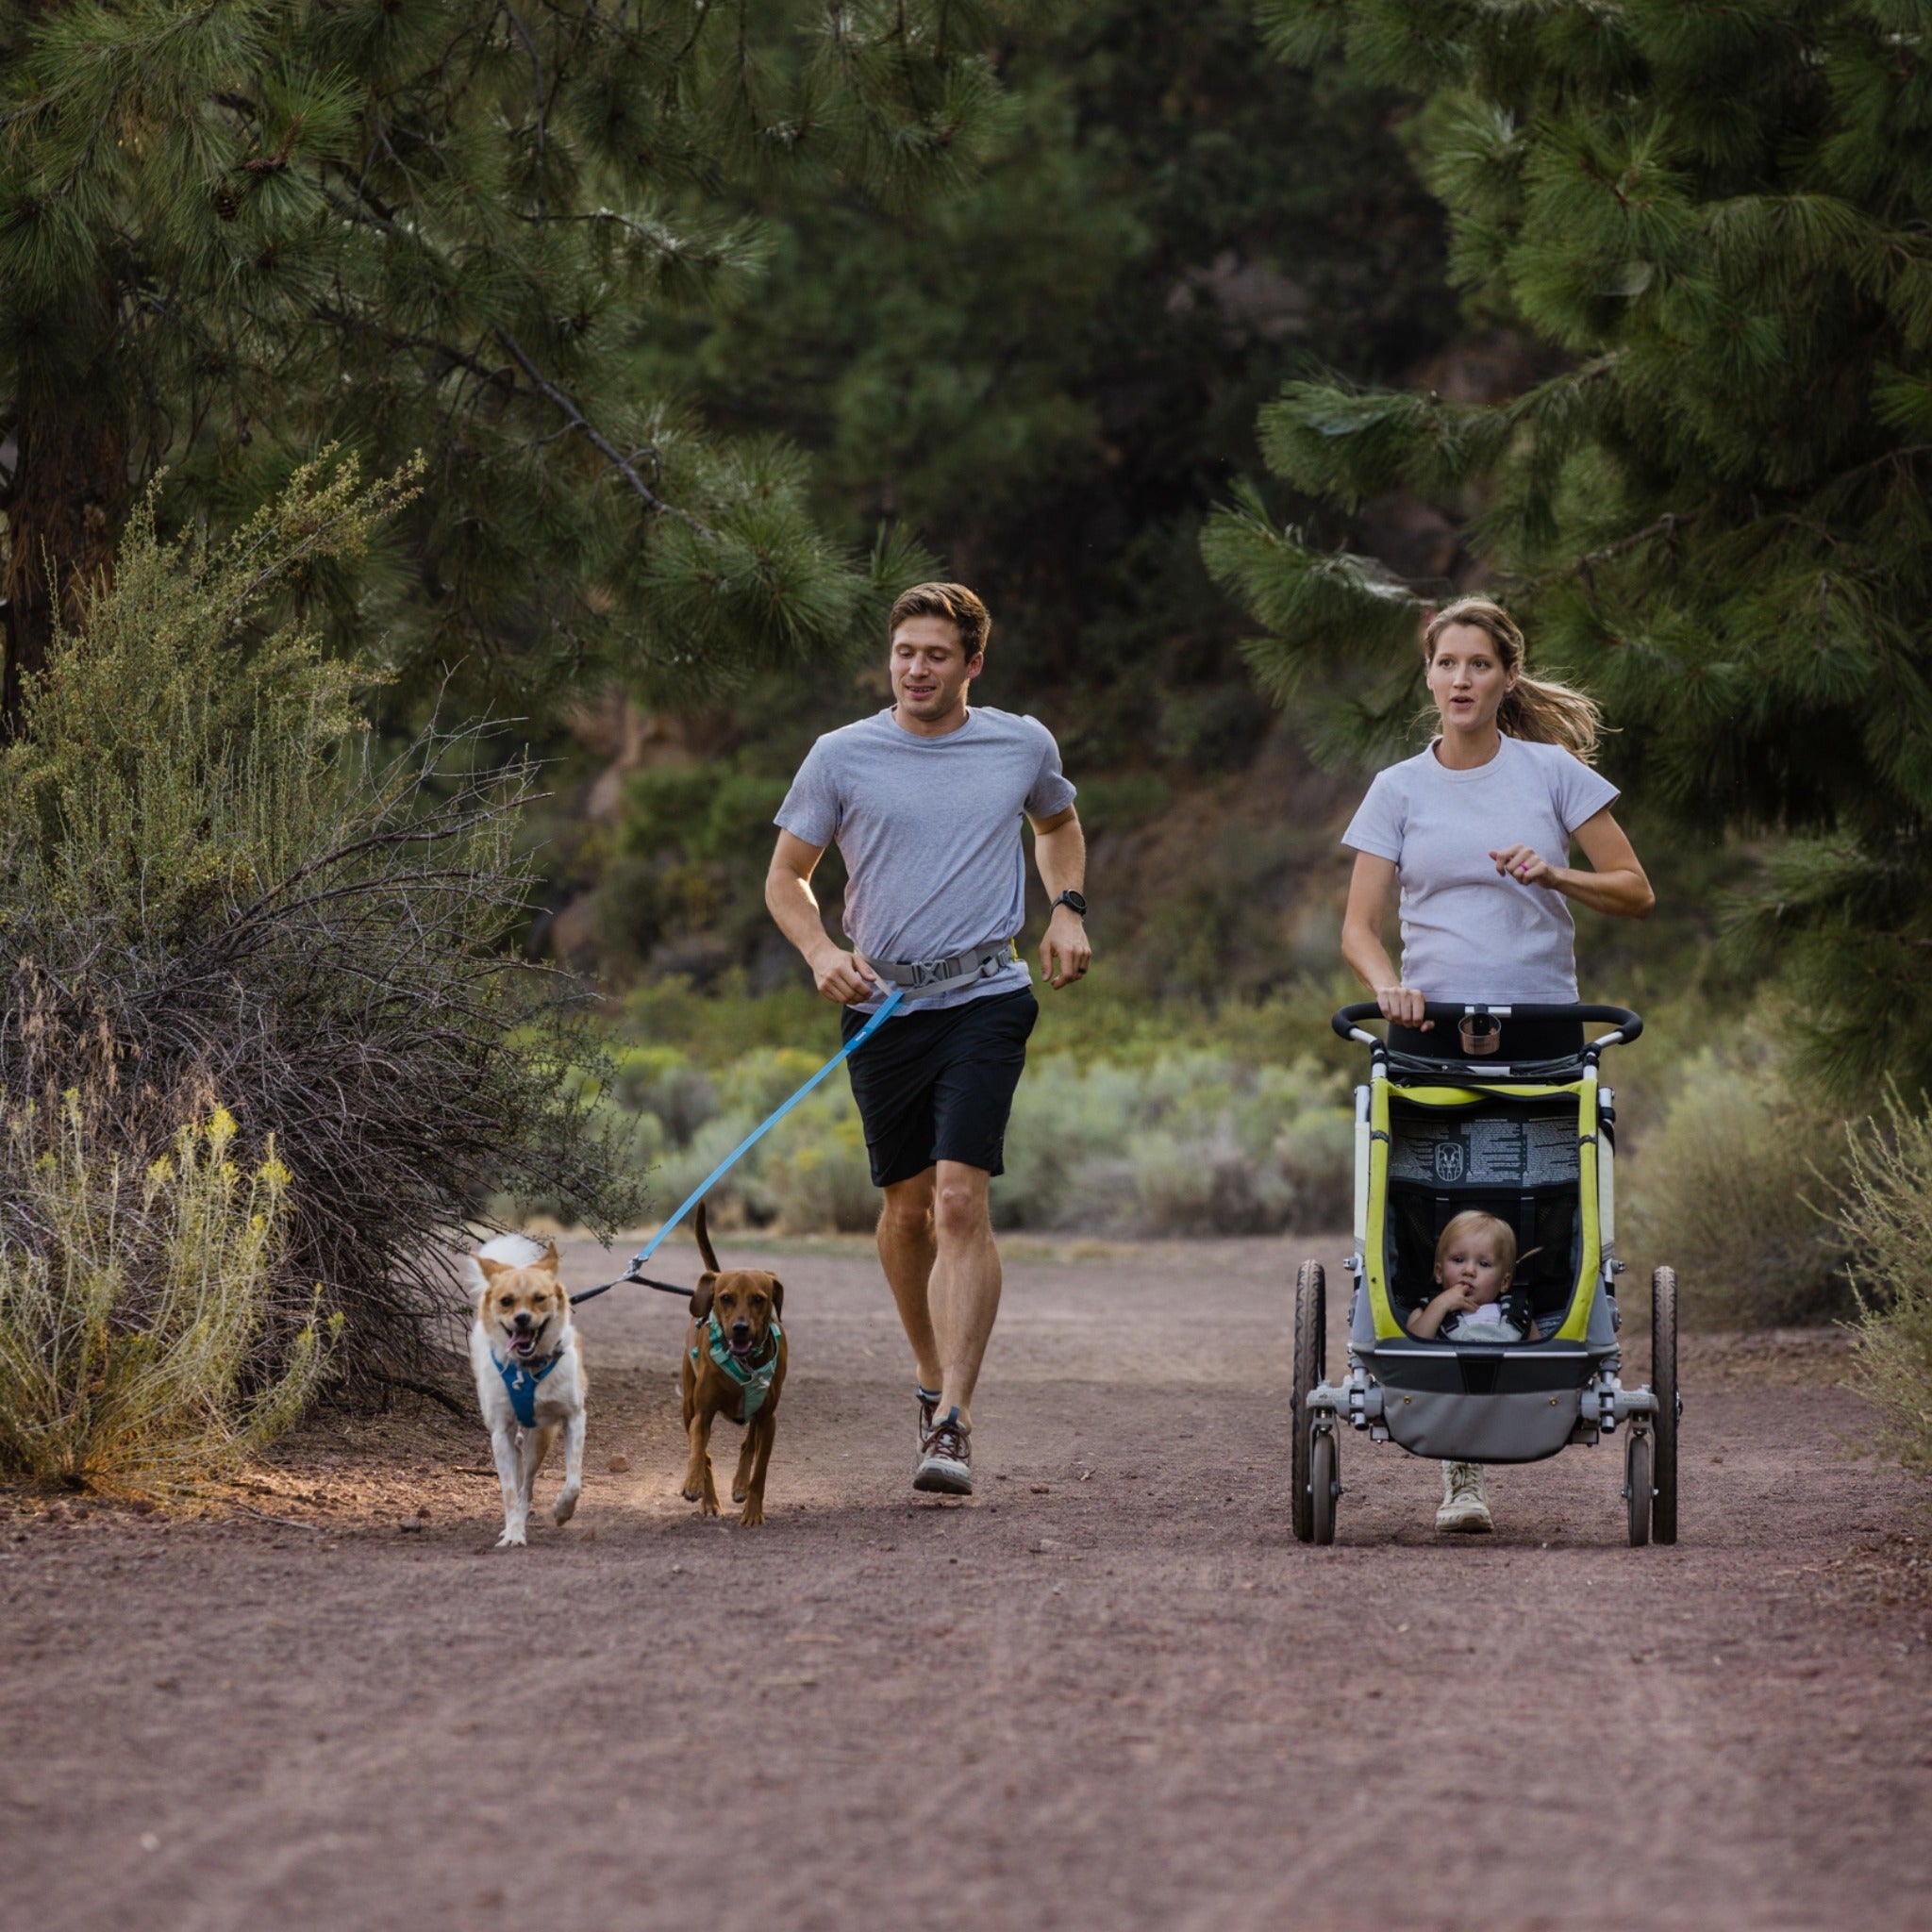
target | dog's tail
x=702, y=1234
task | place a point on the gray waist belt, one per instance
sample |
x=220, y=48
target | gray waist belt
x=917, y=973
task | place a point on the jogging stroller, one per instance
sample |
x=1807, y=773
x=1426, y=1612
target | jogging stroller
x=1532, y=1143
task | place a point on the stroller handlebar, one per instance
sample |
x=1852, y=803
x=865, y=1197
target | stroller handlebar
x=1625, y=1025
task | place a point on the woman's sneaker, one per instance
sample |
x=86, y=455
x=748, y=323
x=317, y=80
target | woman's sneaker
x=1463, y=1505
x=945, y=1457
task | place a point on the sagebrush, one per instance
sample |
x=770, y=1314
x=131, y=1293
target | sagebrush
x=1735, y=1188
x=1177, y=1141
x=221, y=890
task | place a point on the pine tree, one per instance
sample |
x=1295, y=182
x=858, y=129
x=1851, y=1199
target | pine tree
x=1051, y=374
x=231, y=235
x=1715, y=515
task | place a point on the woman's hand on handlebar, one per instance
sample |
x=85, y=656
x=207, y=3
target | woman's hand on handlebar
x=1402, y=1005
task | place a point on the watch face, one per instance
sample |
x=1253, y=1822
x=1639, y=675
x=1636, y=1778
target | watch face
x=1076, y=900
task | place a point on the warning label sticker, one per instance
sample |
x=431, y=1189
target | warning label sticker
x=1497, y=1151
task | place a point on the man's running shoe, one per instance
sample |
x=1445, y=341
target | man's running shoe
x=929, y=1408
x=945, y=1457
x=1463, y=1505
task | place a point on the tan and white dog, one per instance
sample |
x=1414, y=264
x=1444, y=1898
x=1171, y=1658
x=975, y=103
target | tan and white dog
x=529, y=1373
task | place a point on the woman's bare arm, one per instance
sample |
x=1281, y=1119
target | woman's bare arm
x=1372, y=893
x=1615, y=884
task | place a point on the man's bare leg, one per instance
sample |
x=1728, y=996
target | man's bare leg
x=909, y=1246
x=964, y=1296
x=937, y=1248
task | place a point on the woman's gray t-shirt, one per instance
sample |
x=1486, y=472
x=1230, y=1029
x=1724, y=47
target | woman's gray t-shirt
x=929, y=830
x=1466, y=934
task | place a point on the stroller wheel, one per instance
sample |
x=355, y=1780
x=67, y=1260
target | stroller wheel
x=1324, y=1485
x=1637, y=1486
x=1311, y=1350
x=1663, y=1383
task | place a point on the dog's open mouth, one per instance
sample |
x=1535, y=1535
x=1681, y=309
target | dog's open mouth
x=738, y=1347
x=523, y=1343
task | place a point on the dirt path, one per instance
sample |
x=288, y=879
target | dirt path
x=1111, y=1692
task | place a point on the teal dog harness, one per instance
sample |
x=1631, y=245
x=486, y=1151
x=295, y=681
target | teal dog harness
x=754, y=1381
x=522, y=1384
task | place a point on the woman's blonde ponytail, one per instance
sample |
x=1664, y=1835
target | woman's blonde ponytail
x=1539, y=710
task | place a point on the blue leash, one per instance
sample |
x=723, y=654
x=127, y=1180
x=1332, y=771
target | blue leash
x=751, y=1140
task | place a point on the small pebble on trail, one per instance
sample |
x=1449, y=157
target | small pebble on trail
x=620, y=1465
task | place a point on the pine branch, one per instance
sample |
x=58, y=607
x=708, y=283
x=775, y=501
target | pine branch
x=611, y=455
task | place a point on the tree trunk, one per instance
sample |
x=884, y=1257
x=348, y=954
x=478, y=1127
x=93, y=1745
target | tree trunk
x=70, y=477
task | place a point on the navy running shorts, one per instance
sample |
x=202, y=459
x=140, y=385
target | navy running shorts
x=939, y=1086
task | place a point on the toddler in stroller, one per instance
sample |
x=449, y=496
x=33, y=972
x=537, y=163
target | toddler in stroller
x=1476, y=1262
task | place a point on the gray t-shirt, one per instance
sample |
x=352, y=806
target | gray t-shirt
x=1466, y=934
x=929, y=830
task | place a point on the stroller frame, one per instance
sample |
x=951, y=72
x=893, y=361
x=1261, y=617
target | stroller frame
x=1534, y=1142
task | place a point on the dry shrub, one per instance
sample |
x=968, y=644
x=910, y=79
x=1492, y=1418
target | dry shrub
x=135, y=1338
x=1887, y=1219
x=1735, y=1189
x=219, y=887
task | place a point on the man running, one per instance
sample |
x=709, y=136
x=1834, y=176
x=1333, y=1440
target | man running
x=924, y=802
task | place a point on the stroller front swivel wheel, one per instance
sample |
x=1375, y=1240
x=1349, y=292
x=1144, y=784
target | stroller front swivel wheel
x=1310, y=1337
x=1324, y=1485
x=1636, y=1485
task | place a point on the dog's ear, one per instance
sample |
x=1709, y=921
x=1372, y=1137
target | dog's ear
x=490, y=1270
x=701, y=1295
x=547, y=1260
x=777, y=1296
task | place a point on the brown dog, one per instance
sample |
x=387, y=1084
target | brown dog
x=734, y=1366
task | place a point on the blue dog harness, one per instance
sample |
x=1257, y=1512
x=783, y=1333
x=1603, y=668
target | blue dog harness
x=756, y=1382
x=522, y=1384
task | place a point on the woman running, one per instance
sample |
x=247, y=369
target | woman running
x=1474, y=834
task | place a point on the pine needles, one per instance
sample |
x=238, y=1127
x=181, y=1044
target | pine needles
x=1720, y=521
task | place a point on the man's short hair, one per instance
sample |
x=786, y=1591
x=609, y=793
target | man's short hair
x=955, y=603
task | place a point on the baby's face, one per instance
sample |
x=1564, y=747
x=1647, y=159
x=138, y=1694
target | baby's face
x=1473, y=1263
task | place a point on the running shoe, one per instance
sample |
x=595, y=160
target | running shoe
x=945, y=1457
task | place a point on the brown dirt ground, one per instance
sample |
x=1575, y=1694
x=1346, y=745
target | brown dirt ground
x=1110, y=1692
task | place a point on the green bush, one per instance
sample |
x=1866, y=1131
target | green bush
x=136, y=1334
x=1188, y=1141
x=1733, y=1188
x=1886, y=1221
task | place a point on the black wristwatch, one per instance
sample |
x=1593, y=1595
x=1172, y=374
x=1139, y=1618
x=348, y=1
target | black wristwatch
x=1076, y=901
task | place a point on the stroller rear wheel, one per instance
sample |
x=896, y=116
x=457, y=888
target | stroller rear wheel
x=1324, y=1485
x=1637, y=1486
x=1311, y=1357
x=1663, y=1384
